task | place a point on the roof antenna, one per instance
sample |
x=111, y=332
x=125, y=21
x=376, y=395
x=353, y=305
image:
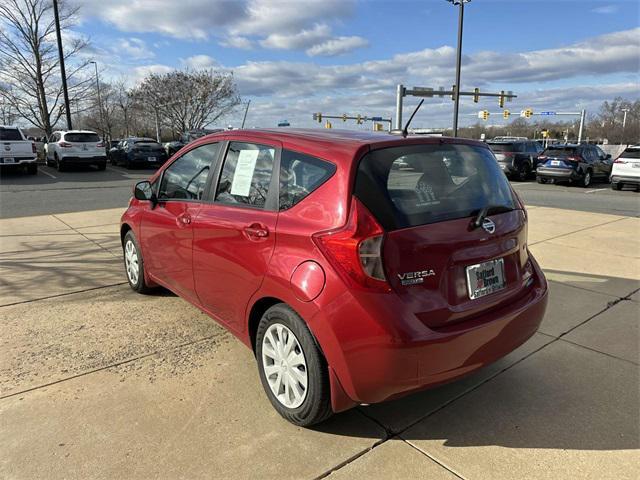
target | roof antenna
x=405, y=130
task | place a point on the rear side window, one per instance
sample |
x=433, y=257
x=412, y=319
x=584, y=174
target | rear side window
x=81, y=137
x=10, y=134
x=186, y=178
x=246, y=174
x=561, y=151
x=300, y=175
x=420, y=184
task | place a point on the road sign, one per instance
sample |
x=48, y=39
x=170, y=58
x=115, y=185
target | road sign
x=547, y=113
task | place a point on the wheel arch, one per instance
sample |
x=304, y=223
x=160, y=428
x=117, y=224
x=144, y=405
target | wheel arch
x=124, y=229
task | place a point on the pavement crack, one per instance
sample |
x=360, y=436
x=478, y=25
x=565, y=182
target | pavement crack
x=435, y=460
x=63, y=294
x=87, y=238
x=351, y=459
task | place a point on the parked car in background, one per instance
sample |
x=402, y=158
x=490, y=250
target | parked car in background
x=111, y=144
x=172, y=147
x=352, y=280
x=517, y=158
x=580, y=164
x=39, y=143
x=75, y=147
x=16, y=151
x=136, y=151
x=626, y=169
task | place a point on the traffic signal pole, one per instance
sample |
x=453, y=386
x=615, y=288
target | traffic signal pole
x=456, y=104
x=67, y=106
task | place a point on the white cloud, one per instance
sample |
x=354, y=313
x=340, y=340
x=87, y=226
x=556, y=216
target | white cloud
x=337, y=46
x=242, y=43
x=605, y=10
x=134, y=48
x=299, y=40
x=199, y=62
x=142, y=71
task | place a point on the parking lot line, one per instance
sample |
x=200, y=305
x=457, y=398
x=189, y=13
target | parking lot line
x=46, y=173
x=596, y=190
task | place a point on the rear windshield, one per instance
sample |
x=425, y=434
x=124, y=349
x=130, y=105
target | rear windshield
x=631, y=153
x=147, y=144
x=10, y=134
x=507, y=147
x=421, y=184
x=560, y=151
x=81, y=137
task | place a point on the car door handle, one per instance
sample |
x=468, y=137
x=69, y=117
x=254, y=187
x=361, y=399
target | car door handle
x=256, y=231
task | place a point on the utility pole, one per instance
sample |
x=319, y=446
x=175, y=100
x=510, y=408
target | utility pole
x=624, y=121
x=99, y=100
x=67, y=108
x=456, y=105
x=246, y=110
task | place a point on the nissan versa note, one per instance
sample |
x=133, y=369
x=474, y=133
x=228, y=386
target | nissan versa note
x=358, y=267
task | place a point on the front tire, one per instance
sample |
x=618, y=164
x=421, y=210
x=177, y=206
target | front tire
x=293, y=370
x=134, y=264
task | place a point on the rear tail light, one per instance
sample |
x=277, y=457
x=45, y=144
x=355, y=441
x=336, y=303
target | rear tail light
x=619, y=160
x=355, y=250
x=33, y=148
x=65, y=145
x=573, y=159
x=542, y=157
x=100, y=145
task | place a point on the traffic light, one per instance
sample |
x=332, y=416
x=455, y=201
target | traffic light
x=318, y=117
x=505, y=114
x=453, y=92
x=483, y=114
x=359, y=119
x=327, y=124
x=501, y=99
x=527, y=113
x=344, y=117
x=476, y=95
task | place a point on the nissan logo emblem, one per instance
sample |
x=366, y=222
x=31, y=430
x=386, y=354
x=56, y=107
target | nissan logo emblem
x=488, y=225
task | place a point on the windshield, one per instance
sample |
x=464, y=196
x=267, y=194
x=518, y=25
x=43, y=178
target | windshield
x=420, y=184
x=560, y=152
x=81, y=137
x=631, y=153
x=506, y=147
x=10, y=134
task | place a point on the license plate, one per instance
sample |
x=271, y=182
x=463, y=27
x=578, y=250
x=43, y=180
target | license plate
x=9, y=160
x=555, y=163
x=503, y=166
x=485, y=278
x=151, y=159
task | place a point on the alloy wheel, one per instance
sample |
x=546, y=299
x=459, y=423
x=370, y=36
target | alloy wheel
x=285, y=366
x=131, y=261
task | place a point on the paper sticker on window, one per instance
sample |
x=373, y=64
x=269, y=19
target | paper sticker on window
x=243, y=175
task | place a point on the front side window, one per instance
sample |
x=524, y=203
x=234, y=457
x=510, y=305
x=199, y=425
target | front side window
x=246, y=174
x=186, y=178
x=415, y=185
x=300, y=175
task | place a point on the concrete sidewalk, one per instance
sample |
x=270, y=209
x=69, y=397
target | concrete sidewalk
x=99, y=382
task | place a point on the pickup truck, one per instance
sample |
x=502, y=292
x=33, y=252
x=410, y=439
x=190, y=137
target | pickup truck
x=17, y=151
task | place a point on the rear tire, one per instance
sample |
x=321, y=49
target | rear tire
x=286, y=349
x=586, y=179
x=134, y=264
x=616, y=186
x=523, y=172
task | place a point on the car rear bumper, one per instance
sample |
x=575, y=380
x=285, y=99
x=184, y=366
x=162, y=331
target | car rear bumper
x=625, y=179
x=390, y=357
x=144, y=160
x=18, y=161
x=83, y=160
x=558, y=173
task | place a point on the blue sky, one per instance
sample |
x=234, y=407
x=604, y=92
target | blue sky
x=293, y=58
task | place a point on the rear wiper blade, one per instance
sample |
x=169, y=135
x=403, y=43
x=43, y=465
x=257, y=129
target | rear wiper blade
x=486, y=210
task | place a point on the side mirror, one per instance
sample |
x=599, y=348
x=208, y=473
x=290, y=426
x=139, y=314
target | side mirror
x=144, y=191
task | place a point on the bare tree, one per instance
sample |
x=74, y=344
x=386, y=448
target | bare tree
x=29, y=64
x=188, y=100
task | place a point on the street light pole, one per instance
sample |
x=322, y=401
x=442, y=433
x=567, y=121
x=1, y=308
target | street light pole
x=99, y=100
x=456, y=105
x=624, y=121
x=67, y=107
x=246, y=110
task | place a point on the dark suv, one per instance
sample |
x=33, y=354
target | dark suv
x=579, y=164
x=517, y=158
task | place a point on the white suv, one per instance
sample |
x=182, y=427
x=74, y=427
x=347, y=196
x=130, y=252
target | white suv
x=75, y=147
x=626, y=169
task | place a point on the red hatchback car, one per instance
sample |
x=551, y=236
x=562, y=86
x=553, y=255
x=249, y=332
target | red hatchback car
x=358, y=267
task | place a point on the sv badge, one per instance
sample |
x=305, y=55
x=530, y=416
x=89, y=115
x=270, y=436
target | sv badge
x=414, y=278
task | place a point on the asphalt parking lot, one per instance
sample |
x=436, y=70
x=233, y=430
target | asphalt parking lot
x=99, y=382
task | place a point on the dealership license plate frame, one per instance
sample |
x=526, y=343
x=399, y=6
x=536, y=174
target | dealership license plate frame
x=476, y=292
x=152, y=159
x=8, y=160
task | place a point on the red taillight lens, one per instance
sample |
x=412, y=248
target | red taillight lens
x=65, y=145
x=100, y=145
x=355, y=250
x=573, y=159
x=33, y=148
x=619, y=160
x=542, y=157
